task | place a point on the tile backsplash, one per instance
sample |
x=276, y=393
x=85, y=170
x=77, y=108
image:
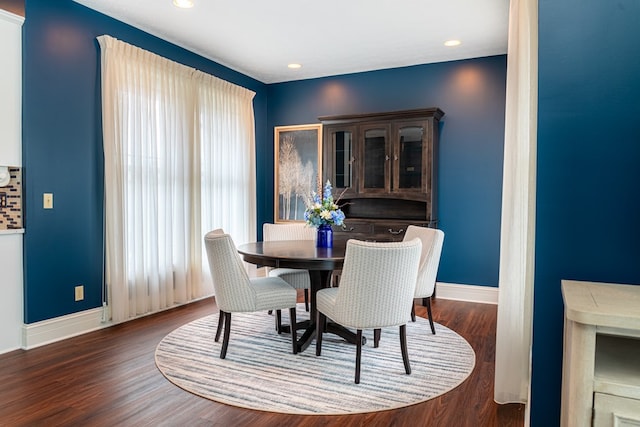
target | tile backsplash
x=11, y=201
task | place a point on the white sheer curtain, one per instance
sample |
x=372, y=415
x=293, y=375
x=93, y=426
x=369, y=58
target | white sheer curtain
x=515, y=301
x=225, y=129
x=158, y=190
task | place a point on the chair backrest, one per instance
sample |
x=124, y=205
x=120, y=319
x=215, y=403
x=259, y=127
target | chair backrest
x=432, y=240
x=377, y=283
x=288, y=231
x=231, y=282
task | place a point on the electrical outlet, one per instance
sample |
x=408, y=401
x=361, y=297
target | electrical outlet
x=47, y=200
x=79, y=293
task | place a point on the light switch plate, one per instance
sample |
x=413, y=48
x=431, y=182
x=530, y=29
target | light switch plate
x=79, y=293
x=47, y=200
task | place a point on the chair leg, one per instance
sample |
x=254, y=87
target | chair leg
x=433, y=329
x=358, y=354
x=279, y=321
x=225, y=339
x=335, y=276
x=413, y=311
x=294, y=335
x=306, y=299
x=220, y=323
x=270, y=312
x=403, y=347
x=376, y=337
x=319, y=330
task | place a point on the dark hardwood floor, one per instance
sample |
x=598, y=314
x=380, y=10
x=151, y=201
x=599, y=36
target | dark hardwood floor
x=109, y=378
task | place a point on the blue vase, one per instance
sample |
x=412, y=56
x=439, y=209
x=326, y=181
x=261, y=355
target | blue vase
x=325, y=237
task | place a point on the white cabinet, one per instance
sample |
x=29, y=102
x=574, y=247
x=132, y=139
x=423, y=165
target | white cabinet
x=615, y=411
x=616, y=382
x=601, y=364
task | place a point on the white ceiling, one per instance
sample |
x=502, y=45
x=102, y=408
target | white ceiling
x=329, y=37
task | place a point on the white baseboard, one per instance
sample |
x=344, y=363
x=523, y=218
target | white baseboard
x=470, y=293
x=59, y=328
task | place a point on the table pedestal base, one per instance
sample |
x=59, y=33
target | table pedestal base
x=332, y=328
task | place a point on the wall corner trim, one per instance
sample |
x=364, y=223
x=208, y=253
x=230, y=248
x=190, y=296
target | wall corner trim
x=51, y=330
x=469, y=293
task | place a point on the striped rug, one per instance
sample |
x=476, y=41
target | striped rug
x=261, y=373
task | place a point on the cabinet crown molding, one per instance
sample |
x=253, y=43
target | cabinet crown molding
x=434, y=112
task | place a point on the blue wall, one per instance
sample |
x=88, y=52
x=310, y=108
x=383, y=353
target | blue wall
x=62, y=148
x=588, y=208
x=471, y=93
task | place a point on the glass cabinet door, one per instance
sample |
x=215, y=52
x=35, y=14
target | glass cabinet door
x=339, y=156
x=408, y=173
x=343, y=155
x=375, y=158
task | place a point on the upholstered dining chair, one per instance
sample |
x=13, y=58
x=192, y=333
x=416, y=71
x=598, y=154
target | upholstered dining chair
x=376, y=290
x=298, y=279
x=432, y=240
x=235, y=292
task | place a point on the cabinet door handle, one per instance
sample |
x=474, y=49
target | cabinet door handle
x=386, y=158
x=353, y=159
x=396, y=232
x=395, y=157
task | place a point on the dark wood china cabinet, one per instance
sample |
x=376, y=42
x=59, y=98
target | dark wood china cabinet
x=385, y=167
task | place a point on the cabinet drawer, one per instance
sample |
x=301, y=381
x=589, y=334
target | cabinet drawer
x=391, y=231
x=355, y=227
x=610, y=411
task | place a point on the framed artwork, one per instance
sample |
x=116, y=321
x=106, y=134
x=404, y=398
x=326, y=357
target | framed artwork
x=298, y=166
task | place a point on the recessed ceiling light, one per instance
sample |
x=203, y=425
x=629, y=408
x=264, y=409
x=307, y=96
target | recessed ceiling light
x=451, y=43
x=184, y=4
x=294, y=66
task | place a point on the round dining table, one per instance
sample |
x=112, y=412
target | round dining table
x=304, y=255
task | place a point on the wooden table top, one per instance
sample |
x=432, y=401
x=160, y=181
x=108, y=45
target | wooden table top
x=301, y=254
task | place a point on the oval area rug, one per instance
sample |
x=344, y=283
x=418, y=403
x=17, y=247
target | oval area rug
x=261, y=373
